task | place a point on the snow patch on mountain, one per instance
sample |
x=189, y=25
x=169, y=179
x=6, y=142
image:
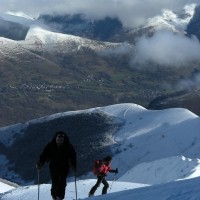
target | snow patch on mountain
x=172, y=21
x=48, y=39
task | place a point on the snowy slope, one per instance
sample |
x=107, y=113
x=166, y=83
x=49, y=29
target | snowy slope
x=82, y=185
x=5, y=187
x=48, y=39
x=178, y=190
x=151, y=149
x=155, y=172
x=40, y=39
x=148, y=136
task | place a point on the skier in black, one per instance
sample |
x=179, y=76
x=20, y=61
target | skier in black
x=61, y=156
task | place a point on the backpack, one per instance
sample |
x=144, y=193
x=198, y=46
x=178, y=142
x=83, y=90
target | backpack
x=97, y=167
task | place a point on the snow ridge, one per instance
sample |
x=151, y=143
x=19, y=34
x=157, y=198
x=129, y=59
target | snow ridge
x=154, y=148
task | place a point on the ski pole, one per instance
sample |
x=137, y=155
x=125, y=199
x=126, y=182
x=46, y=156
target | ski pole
x=75, y=186
x=114, y=177
x=38, y=184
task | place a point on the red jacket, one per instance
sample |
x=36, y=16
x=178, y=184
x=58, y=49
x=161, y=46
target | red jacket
x=104, y=169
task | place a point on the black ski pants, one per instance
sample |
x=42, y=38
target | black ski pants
x=100, y=179
x=58, y=178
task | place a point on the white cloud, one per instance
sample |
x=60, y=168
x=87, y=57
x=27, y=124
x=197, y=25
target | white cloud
x=167, y=48
x=190, y=83
x=130, y=12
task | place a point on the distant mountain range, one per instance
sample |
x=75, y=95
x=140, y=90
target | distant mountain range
x=59, y=63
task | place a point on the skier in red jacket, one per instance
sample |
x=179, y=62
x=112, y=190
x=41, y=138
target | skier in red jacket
x=104, y=169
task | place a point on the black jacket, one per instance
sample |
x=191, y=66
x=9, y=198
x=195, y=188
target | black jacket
x=59, y=157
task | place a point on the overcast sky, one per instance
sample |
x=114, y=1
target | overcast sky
x=130, y=12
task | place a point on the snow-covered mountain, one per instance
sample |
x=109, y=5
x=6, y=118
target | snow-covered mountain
x=111, y=29
x=50, y=40
x=40, y=39
x=172, y=21
x=40, y=36
x=158, y=149
x=108, y=29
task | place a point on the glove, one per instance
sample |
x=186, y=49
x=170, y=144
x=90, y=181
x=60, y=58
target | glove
x=39, y=165
x=116, y=171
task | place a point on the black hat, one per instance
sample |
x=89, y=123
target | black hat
x=108, y=158
x=60, y=133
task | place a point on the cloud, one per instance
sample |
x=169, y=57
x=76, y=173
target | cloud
x=130, y=12
x=189, y=83
x=167, y=48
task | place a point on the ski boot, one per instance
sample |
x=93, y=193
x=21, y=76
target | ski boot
x=90, y=194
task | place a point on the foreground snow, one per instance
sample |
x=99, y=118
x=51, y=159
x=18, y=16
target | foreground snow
x=5, y=187
x=177, y=190
x=83, y=186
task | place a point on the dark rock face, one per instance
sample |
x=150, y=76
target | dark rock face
x=13, y=30
x=88, y=132
x=194, y=25
x=103, y=30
